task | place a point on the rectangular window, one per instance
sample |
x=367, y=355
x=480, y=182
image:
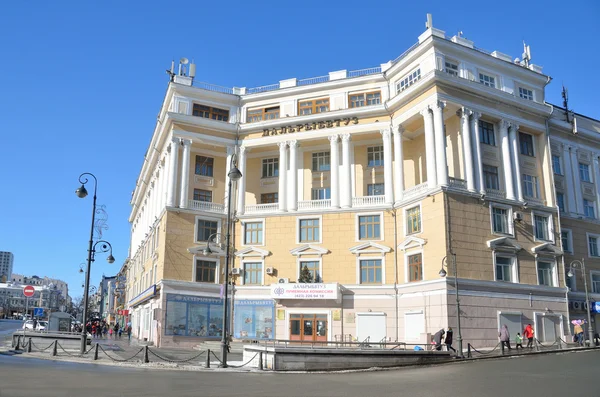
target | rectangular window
x=542, y=227
x=204, y=166
x=369, y=227
x=593, y=246
x=415, y=267
x=310, y=231
x=375, y=156
x=589, y=209
x=413, y=220
x=269, y=198
x=375, y=189
x=408, y=80
x=321, y=194
x=313, y=106
x=490, y=175
x=270, y=168
x=595, y=283
x=451, y=68
x=526, y=142
x=206, y=271
x=566, y=240
x=253, y=233
x=486, y=133
x=525, y=93
x=311, y=268
x=531, y=187
x=370, y=271
x=556, y=165
x=205, y=229
x=584, y=172
x=500, y=222
x=560, y=201
x=545, y=273
x=255, y=115
x=486, y=80
x=203, y=195
x=210, y=112
x=321, y=161
x=504, y=269
x=253, y=273
x=364, y=99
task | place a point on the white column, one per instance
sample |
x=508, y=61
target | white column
x=185, y=173
x=335, y=168
x=467, y=148
x=173, y=163
x=160, y=185
x=506, y=160
x=293, y=180
x=346, y=182
x=597, y=182
x=440, y=143
x=477, y=151
x=230, y=153
x=429, y=147
x=514, y=143
x=241, y=207
x=165, y=179
x=387, y=166
x=570, y=188
x=398, y=163
x=282, y=197
x=577, y=205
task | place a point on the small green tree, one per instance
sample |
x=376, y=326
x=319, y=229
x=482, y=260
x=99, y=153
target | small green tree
x=305, y=276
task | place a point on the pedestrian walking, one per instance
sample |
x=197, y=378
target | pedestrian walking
x=437, y=339
x=448, y=340
x=110, y=332
x=519, y=341
x=129, y=332
x=120, y=332
x=528, y=333
x=504, y=336
x=578, y=331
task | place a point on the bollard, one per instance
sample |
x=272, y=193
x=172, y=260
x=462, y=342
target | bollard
x=469, y=350
x=96, y=351
x=207, y=358
x=55, y=348
x=146, y=359
x=260, y=361
x=29, y=346
x=18, y=346
x=502, y=347
x=537, y=345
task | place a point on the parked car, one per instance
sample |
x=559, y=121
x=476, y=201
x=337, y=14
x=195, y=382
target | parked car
x=28, y=325
x=41, y=325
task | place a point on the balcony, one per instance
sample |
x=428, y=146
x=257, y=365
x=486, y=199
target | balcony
x=415, y=191
x=206, y=206
x=314, y=204
x=533, y=200
x=495, y=193
x=457, y=184
x=261, y=208
x=368, y=201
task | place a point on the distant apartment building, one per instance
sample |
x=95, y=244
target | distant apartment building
x=6, y=264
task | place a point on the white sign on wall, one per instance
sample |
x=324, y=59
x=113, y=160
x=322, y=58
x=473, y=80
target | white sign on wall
x=305, y=291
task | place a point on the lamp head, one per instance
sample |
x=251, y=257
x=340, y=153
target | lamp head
x=570, y=274
x=235, y=174
x=80, y=270
x=110, y=259
x=442, y=273
x=81, y=192
x=206, y=251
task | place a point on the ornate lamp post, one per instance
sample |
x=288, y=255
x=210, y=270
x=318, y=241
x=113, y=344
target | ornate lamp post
x=443, y=273
x=581, y=266
x=81, y=192
x=234, y=175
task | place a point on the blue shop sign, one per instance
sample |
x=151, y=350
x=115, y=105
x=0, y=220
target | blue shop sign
x=596, y=307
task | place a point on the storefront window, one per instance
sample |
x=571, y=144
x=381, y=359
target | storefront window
x=194, y=316
x=253, y=319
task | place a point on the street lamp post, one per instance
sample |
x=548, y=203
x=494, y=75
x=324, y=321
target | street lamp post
x=81, y=192
x=234, y=175
x=581, y=266
x=443, y=273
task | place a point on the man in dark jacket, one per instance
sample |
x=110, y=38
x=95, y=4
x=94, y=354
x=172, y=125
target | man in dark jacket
x=448, y=340
x=438, y=337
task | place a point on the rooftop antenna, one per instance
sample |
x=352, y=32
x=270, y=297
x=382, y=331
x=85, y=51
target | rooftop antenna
x=460, y=33
x=526, y=54
x=429, y=23
x=192, y=69
x=171, y=72
x=565, y=96
x=182, y=63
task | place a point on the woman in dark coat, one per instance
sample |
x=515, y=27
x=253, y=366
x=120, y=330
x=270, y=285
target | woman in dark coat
x=448, y=340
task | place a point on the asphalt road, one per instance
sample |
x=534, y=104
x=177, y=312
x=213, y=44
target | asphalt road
x=541, y=375
x=9, y=326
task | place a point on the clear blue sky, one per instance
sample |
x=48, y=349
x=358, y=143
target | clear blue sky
x=83, y=81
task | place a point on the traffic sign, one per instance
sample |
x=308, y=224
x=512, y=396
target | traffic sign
x=38, y=312
x=28, y=291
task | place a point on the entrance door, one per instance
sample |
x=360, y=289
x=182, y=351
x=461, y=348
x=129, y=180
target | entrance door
x=308, y=327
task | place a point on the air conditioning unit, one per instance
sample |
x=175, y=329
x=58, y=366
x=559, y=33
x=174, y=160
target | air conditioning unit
x=584, y=305
x=571, y=305
x=518, y=216
x=270, y=271
x=236, y=271
x=576, y=305
x=283, y=280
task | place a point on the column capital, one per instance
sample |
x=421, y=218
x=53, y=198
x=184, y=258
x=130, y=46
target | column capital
x=425, y=110
x=514, y=126
x=386, y=133
x=293, y=144
x=476, y=115
x=346, y=137
x=440, y=104
x=400, y=130
x=333, y=138
x=230, y=150
x=176, y=140
x=244, y=149
x=282, y=145
x=464, y=112
x=186, y=142
x=504, y=123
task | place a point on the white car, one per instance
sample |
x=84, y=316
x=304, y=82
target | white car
x=28, y=325
x=41, y=325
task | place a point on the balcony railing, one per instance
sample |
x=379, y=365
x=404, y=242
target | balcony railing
x=314, y=204
x=313, y=80
x=367, y=201
x=495, y=193
x=533, y=200
x=206, y=206
x=364, y=72
x=250, y=209
x=456, y=183
x=415, y=190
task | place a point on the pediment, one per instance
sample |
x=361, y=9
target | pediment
x=546, y=249
x=412, y=242
x=309, y=249
x=252, y=252
x=370, y=248
x=504, y=244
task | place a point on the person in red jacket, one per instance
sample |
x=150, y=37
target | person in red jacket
x=528, y=333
